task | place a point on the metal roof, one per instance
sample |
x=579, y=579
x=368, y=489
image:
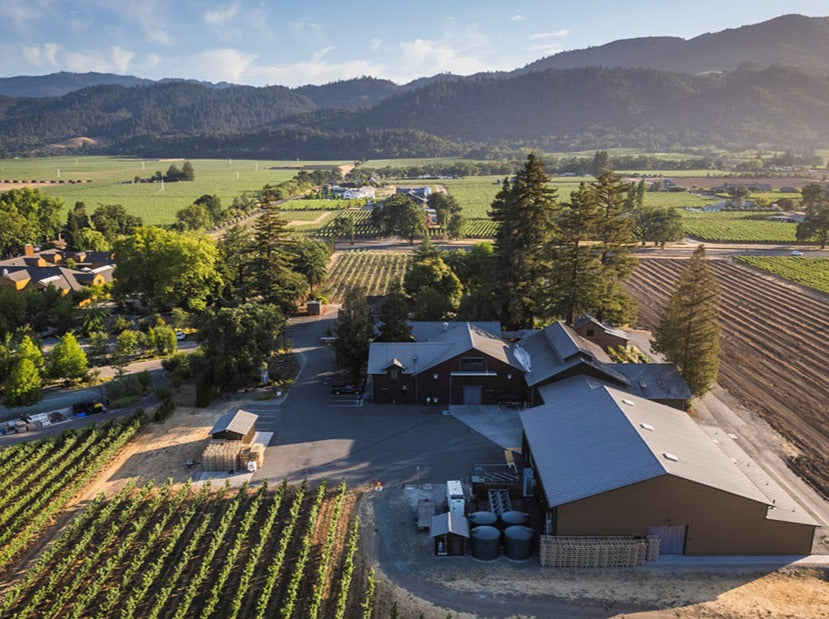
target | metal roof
x=239, y=422
x=601, y=440
x=449, y=523
x=585, y=318
x=429, y=331
x=655, y=381
x=446, y=343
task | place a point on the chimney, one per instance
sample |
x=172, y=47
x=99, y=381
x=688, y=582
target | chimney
x=28, y=250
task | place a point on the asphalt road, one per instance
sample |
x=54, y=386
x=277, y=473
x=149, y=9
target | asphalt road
x=318, y=435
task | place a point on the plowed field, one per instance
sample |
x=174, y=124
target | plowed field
x=775, y=352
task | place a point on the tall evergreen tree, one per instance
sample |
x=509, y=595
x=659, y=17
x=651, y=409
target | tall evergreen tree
x=815, y=225
x=524, y=213
x=273, y=277
x=76, y=220
x=688, y=333
x=354, y=331
x=394, y=316
x=576, y=285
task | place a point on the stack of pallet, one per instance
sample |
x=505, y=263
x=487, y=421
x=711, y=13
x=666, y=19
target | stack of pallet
x=563, y=551
x=499, y=502
x=653, y=548
x=254, y=452
x=221, y=456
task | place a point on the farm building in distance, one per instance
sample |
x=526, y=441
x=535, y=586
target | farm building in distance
x=599, y=333
x=235, y=426
x=608, y=463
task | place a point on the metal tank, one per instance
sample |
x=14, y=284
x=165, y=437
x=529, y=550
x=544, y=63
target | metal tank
x=514, y=518
x=485, y=543
x=477, y=519
x=518, y=542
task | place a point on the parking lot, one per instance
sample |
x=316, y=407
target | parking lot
x=321, y=435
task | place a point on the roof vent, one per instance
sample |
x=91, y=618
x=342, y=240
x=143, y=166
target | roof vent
x=670, y=456
x=628, y=402
x=646, y=426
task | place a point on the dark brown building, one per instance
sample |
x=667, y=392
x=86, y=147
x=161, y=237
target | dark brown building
x=610, y=463
x=602, y=335
x=461, y=363
x=238, y=426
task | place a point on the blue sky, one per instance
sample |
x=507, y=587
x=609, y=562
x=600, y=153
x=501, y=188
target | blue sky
x=292, y=43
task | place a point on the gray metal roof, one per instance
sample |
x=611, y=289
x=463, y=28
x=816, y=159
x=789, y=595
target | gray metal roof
x=585, y=318
x=557, y=348
x=428, y=331
x=449, y=523
x=655, y=381
x=239, y=422
x=604, y=439
x=456, y=339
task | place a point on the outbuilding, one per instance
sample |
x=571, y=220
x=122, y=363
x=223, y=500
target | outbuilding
x=449, y=533
x=237, y=426
x=609, y=463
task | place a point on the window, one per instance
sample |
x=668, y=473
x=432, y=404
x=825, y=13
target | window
x=473, y=364
x=394, y=373
x=591, y=333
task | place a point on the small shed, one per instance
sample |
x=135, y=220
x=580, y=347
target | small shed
x=449, y=533
x=238, y=426
x=425, y=510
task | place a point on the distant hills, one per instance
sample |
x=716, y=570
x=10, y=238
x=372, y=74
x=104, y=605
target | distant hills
x=792, y=40
x=764, y=84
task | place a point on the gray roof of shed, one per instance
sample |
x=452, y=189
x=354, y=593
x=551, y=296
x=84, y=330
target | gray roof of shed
x=239, y=422
x=603, y=439
x=655, y=381
x=447, y=522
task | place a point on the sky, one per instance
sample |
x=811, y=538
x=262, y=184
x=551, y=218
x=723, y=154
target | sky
x=259, y=42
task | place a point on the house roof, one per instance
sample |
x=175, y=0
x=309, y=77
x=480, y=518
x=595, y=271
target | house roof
x=447, y=522
x=655, y=381
x=445, y=343
x=239, y=422
x=603, y=439
x=557, y=348
x=426, y=331
x=582, y=320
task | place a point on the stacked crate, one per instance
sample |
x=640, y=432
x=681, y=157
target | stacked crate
x=499, y=502
x=585, y=551
x=254, y=452
x=221, y=456
x=653, y=548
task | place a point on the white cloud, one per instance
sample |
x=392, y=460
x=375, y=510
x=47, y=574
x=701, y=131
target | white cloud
x=303, y=23
x=151, y=16
x=220, y=16
x=20, y=11
x=376, y=44
x=121, y=58
x=43, y=56
x=220, y=65
x=117, y=61
x=518, y=18
x=461, y=53
x=550, y=35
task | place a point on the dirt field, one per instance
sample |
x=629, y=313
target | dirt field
x=775, y=351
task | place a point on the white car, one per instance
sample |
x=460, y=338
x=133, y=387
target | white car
x=796, y=252
x=180, y=335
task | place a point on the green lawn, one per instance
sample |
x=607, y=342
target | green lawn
x=812, y=272
x=112, y=181
x=738, y=226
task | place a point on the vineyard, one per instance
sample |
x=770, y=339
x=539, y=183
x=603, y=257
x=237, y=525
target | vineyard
x=811, y=272
x=180, y=551
x=738, y=226
x=774, y=351
x=38, y=478
x=374, y=270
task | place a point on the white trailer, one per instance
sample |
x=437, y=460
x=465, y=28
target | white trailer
x=455, y=500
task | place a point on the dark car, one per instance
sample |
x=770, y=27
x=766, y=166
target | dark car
x=346, y=389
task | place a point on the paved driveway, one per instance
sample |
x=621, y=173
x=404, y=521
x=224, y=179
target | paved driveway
x=317, y=435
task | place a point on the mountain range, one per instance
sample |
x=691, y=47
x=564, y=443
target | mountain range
x=760, y=84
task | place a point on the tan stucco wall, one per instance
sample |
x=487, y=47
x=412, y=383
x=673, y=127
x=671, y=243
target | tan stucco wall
x=718, y=523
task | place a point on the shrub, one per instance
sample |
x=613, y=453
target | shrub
x=145, y=379
x=164, y=410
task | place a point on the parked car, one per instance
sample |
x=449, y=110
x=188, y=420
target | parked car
x=180, y=335
x=796, y=252
x=346, y=390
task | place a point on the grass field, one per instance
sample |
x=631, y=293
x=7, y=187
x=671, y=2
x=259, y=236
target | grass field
x=739, y=226
x=227, y=178
x=812, y=272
